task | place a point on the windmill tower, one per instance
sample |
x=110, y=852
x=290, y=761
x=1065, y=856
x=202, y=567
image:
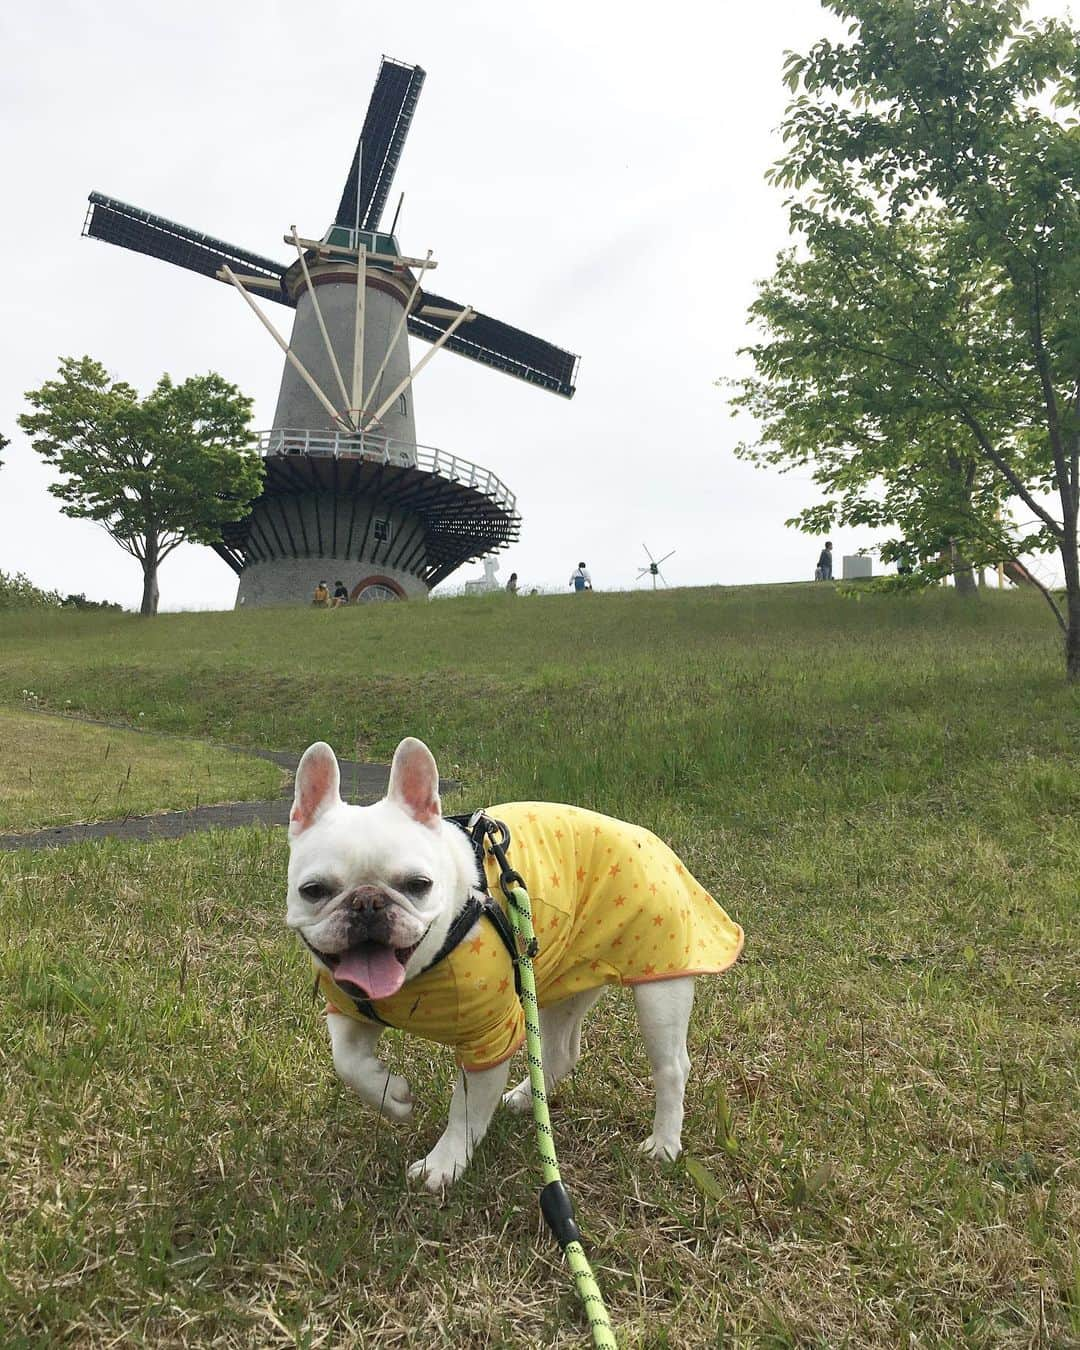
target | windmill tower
x=348, y=491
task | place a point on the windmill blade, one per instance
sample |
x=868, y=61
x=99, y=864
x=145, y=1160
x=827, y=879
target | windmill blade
x=666, y=557
x=497, y=344
x=386, y=124
x=117, y=223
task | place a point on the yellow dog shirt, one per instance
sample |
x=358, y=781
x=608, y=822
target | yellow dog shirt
x=611, y=904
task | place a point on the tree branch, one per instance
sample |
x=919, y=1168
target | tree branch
x=1049, y=600
x=1053, y=422
x=1007, y=471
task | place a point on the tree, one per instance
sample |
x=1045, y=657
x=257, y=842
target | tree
x=4, y=443
x=157, y=472
x=877, y=342
x=965, y=114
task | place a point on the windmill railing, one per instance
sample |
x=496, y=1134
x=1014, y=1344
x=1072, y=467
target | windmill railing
x=386, y=450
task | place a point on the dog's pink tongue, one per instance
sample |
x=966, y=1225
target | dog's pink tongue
x=374, y=968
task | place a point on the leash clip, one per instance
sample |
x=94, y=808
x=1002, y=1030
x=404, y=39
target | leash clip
x=498, y=841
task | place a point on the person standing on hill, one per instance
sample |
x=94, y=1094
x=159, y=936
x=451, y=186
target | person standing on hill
x=512, y=584
x=580, y=579
x=824, y=563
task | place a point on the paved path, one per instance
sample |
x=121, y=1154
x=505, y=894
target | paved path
x=360, y=783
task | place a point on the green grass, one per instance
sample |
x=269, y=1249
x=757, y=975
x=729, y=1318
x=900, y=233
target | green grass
x=883, y=1116
x=54, y=771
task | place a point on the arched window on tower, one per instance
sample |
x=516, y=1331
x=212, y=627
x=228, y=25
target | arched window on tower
x=402, y=406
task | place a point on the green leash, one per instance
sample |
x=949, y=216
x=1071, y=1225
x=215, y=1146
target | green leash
x=555, y=1203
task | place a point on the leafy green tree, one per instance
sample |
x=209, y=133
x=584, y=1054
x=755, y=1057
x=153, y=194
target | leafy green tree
x=878, y=344
x=156, y=472
x=4, y=443
x=961, y=113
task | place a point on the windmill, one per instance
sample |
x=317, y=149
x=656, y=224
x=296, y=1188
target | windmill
x=652, y=569
x=348, y=492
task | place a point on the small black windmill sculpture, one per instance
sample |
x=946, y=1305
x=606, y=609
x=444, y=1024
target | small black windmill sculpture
x=346, y=482
x=652, y=567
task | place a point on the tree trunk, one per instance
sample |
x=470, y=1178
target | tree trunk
x=1069, y=492
x=962, y=570
x=1072, y=641
x=150, y=586
x=1072, y=599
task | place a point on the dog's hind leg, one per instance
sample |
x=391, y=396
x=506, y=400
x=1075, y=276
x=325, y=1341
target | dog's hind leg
x=560, y=1028
x=664, y=1014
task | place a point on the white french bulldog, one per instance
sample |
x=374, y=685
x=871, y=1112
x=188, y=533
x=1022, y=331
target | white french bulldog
x=374, y=891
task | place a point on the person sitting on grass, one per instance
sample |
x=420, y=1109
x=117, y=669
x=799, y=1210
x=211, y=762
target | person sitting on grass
x=341, y=595
x=321, y=598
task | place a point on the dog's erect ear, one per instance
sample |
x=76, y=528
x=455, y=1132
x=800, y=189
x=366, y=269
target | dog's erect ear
x=414, y=781
x=318, y=780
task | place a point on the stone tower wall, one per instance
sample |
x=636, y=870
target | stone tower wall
x=297, y=406
x=291, y=581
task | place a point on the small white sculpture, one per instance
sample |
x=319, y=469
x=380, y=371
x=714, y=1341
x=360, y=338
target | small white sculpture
x=488, y=582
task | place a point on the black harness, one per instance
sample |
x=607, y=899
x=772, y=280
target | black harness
x=479, y=905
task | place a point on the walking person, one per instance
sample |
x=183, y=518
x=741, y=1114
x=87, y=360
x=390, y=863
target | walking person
x=824, y=563
x=580, y=579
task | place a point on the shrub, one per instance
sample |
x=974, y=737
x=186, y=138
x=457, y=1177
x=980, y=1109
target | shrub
x=80, y=602
x=18, y=592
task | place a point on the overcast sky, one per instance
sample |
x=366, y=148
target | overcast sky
x=589, y=172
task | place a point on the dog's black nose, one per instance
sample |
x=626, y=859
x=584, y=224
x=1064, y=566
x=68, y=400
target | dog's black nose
x=368, y=899
x=369, y=920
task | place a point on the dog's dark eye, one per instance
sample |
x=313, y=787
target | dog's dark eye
x=417, y=885
x=316, y=890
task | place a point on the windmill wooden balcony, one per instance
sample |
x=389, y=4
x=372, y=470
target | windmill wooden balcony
x=326, y=493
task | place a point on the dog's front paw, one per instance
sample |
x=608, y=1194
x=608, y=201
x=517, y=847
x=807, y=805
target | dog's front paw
x=437, y=1171
x=397, y=1099
x=660, y=1150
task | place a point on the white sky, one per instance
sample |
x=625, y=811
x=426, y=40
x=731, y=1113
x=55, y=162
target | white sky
x=589, y=172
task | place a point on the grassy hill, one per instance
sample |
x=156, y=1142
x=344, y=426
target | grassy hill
x=56, y=770
x=883, y=791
